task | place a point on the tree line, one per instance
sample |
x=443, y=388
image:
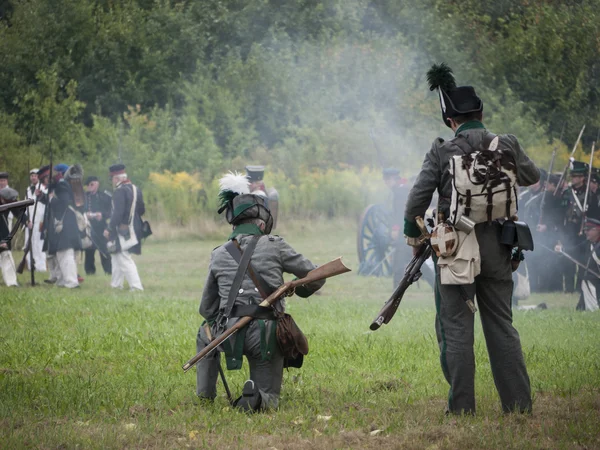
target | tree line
x=201, y=87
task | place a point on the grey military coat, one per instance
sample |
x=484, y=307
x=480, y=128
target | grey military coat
x=435, y=172
x=272, y=257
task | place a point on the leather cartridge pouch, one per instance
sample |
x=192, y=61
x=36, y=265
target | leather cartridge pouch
x=292, y=341
x=516, y=234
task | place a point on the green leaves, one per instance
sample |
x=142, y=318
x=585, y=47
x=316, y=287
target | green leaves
x=205, y=86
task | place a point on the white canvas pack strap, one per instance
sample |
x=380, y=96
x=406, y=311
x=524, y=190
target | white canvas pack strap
x=132, y=204
x=576, y=200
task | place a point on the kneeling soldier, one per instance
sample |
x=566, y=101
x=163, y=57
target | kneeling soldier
x=234, y=288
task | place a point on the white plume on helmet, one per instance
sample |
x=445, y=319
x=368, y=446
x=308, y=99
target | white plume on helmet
x=234, y=182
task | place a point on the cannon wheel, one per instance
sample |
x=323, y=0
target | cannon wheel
x=373, y=242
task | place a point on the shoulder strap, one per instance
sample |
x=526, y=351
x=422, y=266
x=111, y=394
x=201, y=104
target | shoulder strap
x=234, y=249
x=133, y=202
x=461, y=142
x=487, y=140
x=239, y=276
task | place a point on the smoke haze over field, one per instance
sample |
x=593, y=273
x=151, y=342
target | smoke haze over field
x=207, y=86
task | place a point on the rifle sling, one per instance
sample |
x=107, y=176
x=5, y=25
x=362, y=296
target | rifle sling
x=239, y=276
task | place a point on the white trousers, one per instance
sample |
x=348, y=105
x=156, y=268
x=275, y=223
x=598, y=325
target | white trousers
x=9, y=271
x=52, y=267
x=124, y=268
x=589, y=296
x=37, y=243
x=66, y=269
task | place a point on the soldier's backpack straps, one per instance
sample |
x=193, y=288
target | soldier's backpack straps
x=461, y=142
x=239, y=276
x=234, y=249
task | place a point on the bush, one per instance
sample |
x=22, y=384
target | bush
x=179, y=198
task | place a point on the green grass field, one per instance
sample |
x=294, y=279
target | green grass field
x=94, y=368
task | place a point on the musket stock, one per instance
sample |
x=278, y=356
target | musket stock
x=411, y=274
x=331, y=269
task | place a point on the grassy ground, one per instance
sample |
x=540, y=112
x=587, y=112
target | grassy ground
x=94, y=368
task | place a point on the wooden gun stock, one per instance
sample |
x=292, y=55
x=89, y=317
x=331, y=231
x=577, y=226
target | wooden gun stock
x=412, y=274
x=331, y=269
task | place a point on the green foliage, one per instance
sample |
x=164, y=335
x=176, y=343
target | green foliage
x=203, y=87
x=176, y=198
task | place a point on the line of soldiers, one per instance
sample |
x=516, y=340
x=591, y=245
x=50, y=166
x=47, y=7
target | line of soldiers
x=65, y=220
x=556, y=215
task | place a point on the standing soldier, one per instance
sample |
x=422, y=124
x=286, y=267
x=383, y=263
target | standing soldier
x=255, y=175
x=462, y=111
x=530, y=208
x=97, y=209
x=572, y=201
x=549, y=231
x=594, y=196
x=124, y=230
x=37, y=242
x=64, y=237
x=230, y=293
x=46, y=228
x=589, y=299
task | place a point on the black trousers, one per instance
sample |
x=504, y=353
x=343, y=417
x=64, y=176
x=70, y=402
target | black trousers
x=90, y=263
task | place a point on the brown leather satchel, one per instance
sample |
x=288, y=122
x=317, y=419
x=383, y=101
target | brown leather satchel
x=292, y=341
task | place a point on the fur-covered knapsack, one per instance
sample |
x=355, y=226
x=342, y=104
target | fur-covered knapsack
x=483, y=181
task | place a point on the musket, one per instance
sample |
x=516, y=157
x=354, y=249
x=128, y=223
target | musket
x=47, y=214
x=221, y=372
x=573, y=260
x=587, y=190
x=564, y=173
x=411, y=275
x=331, y=269
x=542, y=204
x=21, y=266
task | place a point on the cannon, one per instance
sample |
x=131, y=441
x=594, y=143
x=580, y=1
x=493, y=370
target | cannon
x=374, y=242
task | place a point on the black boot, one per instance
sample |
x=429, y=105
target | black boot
x=250, y=399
